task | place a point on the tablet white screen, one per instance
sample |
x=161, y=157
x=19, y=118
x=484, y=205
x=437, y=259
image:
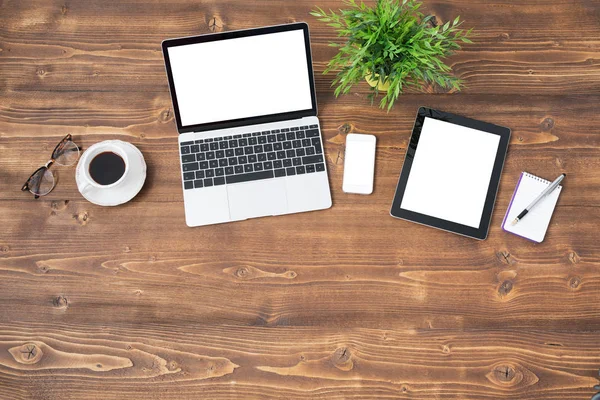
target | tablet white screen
x=451, y=172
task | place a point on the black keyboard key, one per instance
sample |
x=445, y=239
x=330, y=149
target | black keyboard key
x=290, y=153
x=285, y=130
x=268, y=148
x=255, y=133
x=185, y=150
x=223, y=145
x=246, y=135
x=220, y=153
x=243, y=142
x=277, y=164
x=275, y=131
x=300, y=152
x=310, y=169
x=313, y=126
x=312, y=160
x=188, y=158
x=232, y=161
x=262, y=139
x=219, y=181
x=262, y=157
x=294, y=129
x=249, y=177
x=277, y=146
x=279, y=172
x=271, y=156
x=258, y=149
x=208, y=140
x=191, y=167
x=198, y=184
x=252, y=158
x=233, y=143
x=214, y=146
x=315, y=141
x=304, y=128
x=305, y=142
x=287, y=163
x=188, y=185
x=210, y=155
x=248, y=150
x=318, y=149
x=268, y=165
x=300, y=135
x=297, y=161
x=229, y=153
x=186, y=143
x=229, y=171
x=239, y=169
x=296, y=144
x=300, y=170
x=287, y=145
x=310, y=151
x=199, y=141
x=252, y=141
x=237, y=136
x=280, y=137
x=188, y=176
x=219, y=172
x=199, y=174
x=290, y=136
x=200, y=156
x=271, y=139
x=204, y=147
x=208, y=182
x=248, y=168
x=320, y=167
x=210, y=173
x=258, y=167
x=290, y=171
x=265, y=132
x=280, y=155
x=242, y=160
x=312, y=133
x=213, y=163
x=239, y=151
x=227, y=138
x=204, y=165
x=195, y=148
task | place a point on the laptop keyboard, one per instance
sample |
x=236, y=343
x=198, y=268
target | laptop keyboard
x=252, y=156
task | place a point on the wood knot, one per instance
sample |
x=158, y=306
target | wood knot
x=446, y=349
x=215, y=24
x=433, y=21
x=547, y=124
x=61, y=302
x=574, y=257
x=29, y=353
x=82, y=218
x=242, y=272
x=4, y=249
x=345, y=129
x=291, y=274
x=41, y=72
x=511, y=375
x=404, y=389
x=504, y=373
x=505, y=288
x=126, y=249
x=342, y=359
x=59, y=205
x=64, y=9
x=574, y=282
x=165, y=115
x=504, y=257
x=43, y=268
x=504, y=36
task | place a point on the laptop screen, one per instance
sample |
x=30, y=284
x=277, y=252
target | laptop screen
x=241, y=77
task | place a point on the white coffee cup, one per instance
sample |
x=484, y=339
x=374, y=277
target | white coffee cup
x=86, y=182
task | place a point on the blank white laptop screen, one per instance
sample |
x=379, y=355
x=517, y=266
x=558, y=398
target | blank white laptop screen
x=451, y=172
x=240, y=78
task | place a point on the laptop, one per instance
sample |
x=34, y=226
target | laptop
x=250, y=142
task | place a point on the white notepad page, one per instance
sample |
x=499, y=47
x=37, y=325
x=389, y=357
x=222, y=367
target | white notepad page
x=535, y=224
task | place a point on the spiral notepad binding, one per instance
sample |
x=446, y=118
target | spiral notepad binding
x=537, y=178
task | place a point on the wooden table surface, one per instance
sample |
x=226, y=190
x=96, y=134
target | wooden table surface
x=129, y=303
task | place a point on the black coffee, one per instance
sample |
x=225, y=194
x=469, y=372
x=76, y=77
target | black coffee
x=107, y=168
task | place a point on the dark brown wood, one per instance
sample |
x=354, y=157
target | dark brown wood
x=127, y=302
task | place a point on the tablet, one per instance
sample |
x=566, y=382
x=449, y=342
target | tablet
x=451, y=173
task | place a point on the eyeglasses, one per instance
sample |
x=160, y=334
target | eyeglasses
x=42, y=181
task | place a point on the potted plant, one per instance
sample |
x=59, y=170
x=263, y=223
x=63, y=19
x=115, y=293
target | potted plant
x=391, y=45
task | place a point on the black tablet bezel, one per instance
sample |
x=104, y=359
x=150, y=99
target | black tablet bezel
x=484, y=224
x=234, y=35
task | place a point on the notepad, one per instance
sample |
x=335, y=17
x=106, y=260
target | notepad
x=535, y=224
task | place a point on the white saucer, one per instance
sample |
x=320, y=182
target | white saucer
x=125, y=191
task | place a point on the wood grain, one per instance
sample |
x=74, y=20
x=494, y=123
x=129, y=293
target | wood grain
x=127, y=302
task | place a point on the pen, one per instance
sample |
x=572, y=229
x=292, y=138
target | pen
x=545, y=193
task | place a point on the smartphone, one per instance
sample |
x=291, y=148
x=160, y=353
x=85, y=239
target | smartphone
x=359, y=164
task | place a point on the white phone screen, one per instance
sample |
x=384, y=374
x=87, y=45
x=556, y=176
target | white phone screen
x=359, y=164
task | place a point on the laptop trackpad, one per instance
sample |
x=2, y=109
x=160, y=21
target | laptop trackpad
x=257, y=199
